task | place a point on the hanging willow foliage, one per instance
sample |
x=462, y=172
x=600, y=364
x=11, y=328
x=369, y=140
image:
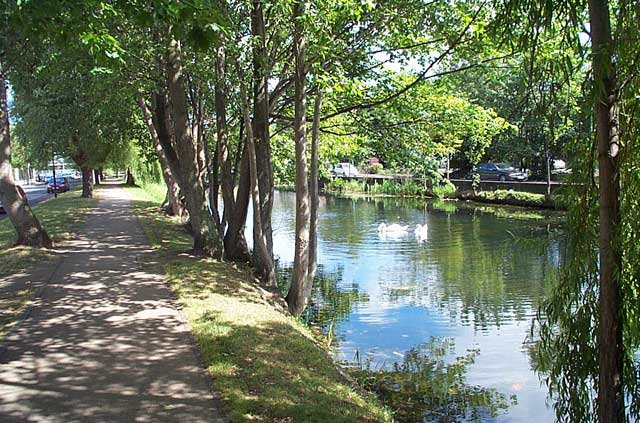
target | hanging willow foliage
x=567, y=324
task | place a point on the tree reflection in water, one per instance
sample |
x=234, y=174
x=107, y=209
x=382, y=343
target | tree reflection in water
x=329, y=304
x=425, y=388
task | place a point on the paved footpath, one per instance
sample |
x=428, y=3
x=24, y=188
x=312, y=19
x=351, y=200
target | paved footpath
x=104, y=342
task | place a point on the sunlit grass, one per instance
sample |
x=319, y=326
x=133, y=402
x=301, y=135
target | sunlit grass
x=511, y=197
x=266, y=366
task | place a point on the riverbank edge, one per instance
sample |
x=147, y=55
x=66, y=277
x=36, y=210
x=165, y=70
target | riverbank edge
x=536, y=201
x=265, y=365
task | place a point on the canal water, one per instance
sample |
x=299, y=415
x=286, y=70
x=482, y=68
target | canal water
x=463, y=297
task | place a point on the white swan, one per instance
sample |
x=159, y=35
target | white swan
x=393, y=228
x=421, y=232
x=392, y=232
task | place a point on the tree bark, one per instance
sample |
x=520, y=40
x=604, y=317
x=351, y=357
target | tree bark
x=87, y=181
x=226, y=175
x=174, y=205
x=261, y=253
x=28, y=229
x=261, y=124
x=235, y=208
x=185, y=162
x=547, y=159
x=301, y=284
x=610, y=402
x=314, y=191
x=235, y=243
x=96, y=176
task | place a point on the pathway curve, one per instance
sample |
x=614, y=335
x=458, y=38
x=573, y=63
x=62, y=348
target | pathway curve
x=105, y=341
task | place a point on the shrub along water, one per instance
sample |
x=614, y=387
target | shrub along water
x=403, y=188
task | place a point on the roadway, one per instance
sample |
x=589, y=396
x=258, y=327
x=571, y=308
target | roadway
x=37, y=193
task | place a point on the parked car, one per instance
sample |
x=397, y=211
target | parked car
x=345, y=169
x=62, y=185
x=22, y=194
x=499, y=172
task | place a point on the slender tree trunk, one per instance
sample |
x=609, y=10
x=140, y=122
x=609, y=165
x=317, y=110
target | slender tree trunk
x=611, y=407
x=547, y=159
x=314, y=191
x=261, y=124
x=261, y=254
x=226, y=175
x=87, y=181
x=206, y=237
x=240, y=152
x=214, y=180
x=174, y=205
x=28, y=228
x=131, y=181
x=301, y=284
x=96, y=176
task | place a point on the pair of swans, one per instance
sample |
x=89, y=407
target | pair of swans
x=400, y=231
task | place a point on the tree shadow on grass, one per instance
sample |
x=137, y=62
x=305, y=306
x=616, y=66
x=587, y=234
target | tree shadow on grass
x=273, y=372
x=104, y=341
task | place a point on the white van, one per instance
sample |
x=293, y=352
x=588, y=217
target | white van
x=345, y=169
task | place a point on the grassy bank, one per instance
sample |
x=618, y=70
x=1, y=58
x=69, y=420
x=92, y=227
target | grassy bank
x=509, y=197
x=265, y=365
x=411, y=188
x=60, y=217
x=398, y=188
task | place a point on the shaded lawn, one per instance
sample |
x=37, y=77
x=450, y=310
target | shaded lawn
x=60, y=217
x=266, y=366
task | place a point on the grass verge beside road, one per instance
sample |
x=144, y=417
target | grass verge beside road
x=265, y=365
x=60, y=217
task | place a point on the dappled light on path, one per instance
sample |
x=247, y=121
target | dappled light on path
x=105, y=341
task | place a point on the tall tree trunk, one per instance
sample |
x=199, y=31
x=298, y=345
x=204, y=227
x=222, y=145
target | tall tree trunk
x=235, y=243
x=87, y=181
x=174, y=205
x=547, y=159
x=314, y=191
x=28, y=228
x=226, y=175
x=261, y=253
x=96, y=176
x=235, y=208
x=206, y=237
x=301, y=284
x=240, y=152
x=261, y=124
x=610, y=346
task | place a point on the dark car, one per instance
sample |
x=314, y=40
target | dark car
x=499, y=172
x=61, y=185
x=22, y=194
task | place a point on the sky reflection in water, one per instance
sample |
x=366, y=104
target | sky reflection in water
x=477, y=279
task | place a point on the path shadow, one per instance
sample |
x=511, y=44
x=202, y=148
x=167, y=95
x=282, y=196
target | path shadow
x=104, y=341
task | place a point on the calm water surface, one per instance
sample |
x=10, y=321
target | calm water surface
x=476, y=280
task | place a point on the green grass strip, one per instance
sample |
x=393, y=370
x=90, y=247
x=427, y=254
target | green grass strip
x=266, y=366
